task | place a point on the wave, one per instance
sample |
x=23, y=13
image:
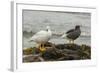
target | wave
x=85, y=34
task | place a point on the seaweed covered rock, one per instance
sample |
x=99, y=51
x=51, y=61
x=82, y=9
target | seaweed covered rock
x=31, y=50
x=58, y=52
x=68, y=46
x=85, y=52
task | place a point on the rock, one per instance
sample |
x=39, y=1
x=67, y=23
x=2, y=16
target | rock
x=31, y=50
x=68, y=46
x=28, y=51
x=58, y=52
x=32, y=58
x=85, y=52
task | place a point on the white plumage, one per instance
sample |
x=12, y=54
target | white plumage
x=42, y=36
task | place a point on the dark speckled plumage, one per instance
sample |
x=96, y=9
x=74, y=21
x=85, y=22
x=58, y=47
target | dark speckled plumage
x=73, y=33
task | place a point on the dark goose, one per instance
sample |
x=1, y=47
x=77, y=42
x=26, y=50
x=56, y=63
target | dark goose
x=73, y=34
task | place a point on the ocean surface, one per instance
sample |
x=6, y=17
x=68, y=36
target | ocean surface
x=60, y=22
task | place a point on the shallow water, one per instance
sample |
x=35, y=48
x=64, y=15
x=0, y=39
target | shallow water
x=80, y=41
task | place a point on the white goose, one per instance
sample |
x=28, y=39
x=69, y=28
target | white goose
x=42, y=37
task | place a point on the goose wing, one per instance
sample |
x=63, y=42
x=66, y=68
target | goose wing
x=38, y=35
x=70, y=31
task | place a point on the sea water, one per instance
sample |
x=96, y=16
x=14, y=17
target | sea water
x=60, y=22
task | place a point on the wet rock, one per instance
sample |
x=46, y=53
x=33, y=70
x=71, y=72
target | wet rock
x=32, y=58
x=28, y=51
x=68, y=46
x=58, y=52
x=85, y=52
